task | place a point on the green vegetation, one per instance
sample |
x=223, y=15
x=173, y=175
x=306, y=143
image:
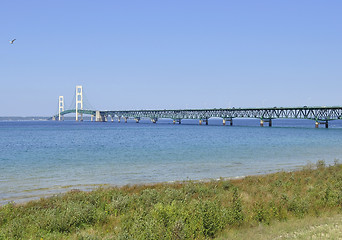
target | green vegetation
x=187, y=210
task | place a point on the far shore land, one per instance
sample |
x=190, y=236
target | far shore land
x=281, y=203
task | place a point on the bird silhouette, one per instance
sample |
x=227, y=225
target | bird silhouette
x=12, y=41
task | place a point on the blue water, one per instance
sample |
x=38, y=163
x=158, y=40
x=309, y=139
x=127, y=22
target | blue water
x=46, y=157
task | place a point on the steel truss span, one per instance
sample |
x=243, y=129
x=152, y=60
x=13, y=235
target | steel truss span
x=319, y=114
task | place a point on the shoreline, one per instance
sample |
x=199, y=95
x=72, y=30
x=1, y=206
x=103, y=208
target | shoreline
x=93, y=187
x=203, y=209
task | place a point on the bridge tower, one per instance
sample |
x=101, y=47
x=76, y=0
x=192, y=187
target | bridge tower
x=79, y=101
x=60, y=108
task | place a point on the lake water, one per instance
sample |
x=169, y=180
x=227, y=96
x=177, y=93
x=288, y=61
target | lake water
x=41, y=158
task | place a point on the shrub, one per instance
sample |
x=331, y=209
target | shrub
x=298, y=206
x=260, y=213
x=237, y=212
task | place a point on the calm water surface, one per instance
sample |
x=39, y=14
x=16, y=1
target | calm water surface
x=42, y=158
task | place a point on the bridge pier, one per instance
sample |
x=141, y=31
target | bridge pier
x=262, y=121
x=100, y=117
x=154, y=120
x=326, y=123
x=205, y=120
x=92, y=118
x=228, y=119
x=119, y=119
x=177, y=120
x=137, y=119
x=125, y=119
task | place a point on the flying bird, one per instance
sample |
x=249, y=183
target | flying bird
x=12, y=41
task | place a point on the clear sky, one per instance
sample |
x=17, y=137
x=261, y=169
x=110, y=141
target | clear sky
x=169, y=54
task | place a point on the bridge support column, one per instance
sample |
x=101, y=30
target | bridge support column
x=92, y=118
x=228, y=119
x=326, y=123
x=112, y=118
x=119, y=119
x=206, y=121
x=100, y=117
x=200, y=122
x=154, y=120
x=262, y=121
x=177, y=120
x=137, y=119
x=125, y=119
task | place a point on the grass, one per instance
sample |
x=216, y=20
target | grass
x=327, y=226
x=187, y=210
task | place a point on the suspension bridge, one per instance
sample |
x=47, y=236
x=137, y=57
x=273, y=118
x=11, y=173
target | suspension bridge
x=321, y=115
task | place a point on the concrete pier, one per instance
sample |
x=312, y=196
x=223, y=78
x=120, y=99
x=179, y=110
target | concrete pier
x=203, y=120
x=137, y=119
x=227, y=119
x=269, y=121
x=100, y=117
x=177, y=120
x=154, y=120
x=326, y=123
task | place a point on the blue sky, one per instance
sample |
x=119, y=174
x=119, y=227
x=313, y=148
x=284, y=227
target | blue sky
x=169, y=54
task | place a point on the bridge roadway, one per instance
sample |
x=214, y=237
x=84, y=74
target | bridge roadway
x=321, y=115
